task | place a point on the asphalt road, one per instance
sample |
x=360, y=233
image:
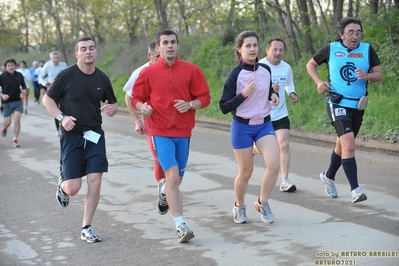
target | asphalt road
x=310, y=228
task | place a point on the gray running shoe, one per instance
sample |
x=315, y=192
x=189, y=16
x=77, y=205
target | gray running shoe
x=162, y=204
x=184, y=234
x=358, y=195
x=239, y=214
x=62, y=197
x=329, y=184
x=287, y=186
x=89, y=235
x=266, y=213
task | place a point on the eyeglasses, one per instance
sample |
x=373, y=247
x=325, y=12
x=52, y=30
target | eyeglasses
x=353, y=33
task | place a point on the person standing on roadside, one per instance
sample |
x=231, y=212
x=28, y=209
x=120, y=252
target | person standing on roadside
x=35, y=80
x=159, y=174
x=352, y=64
x=282, y=78
x=74, y=99
x=26, y=73
x=248, y=95
x=47, y=76
x=168, y=92
x=13, y=87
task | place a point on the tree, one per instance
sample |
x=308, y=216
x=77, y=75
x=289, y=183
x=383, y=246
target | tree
x=162, y=14
x=338, y=6
x=374, y=6
x=303, y=12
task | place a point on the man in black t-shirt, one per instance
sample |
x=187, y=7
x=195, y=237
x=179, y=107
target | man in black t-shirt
x=74, y=100
x=13, y=87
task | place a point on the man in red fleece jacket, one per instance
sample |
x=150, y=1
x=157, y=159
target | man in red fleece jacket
x=167, y=93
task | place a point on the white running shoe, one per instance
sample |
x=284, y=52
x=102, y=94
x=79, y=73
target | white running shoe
x=287, y=186
x=239, y=214
x=329, y=184
x=89, y=235
x=358, y=195
x=184, y=234
x=162, y=204
x=267, y=215
x=62, y=197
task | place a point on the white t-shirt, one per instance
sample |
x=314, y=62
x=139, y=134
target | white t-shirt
x=50, y=71
x=282, y=73
x=26, y=73
x=128, y=88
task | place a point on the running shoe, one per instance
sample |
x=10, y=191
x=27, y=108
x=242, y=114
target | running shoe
x=162, y=204
x=15, y=143
x=287, y=186
x=62, y=197
x=266, y=213
x=329, y=184
x=89, y=235
x=4, y=132
x=358, y=195
x=239, y=214
x=184, y=234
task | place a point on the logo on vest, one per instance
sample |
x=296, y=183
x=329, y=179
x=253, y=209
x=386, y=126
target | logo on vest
x=348, y=73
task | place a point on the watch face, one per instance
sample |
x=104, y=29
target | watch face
x=60, y=117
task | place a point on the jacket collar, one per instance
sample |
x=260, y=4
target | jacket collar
x=249, y=66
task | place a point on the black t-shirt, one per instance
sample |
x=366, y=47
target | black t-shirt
x=11, y=85
x=79, y=95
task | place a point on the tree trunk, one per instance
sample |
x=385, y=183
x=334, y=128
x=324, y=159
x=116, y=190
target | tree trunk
x=323, y=16
x=262, y=20
x=350, y=8
x=51, y=9
x=374, y=6
x=162, y=14
x=25, y=23
x=291, y=32
x=338, y=6
x=313, y=14
x=307, y=38
x=228, y=36
x=357, y=8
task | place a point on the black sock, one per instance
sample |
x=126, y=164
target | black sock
x=87, y=226
x=335, y=164
x=350, y=169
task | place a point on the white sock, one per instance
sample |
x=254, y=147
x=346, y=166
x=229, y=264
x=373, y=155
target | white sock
x=178, y=219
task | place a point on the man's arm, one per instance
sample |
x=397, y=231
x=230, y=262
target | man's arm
x=322, y=86
x=42, y=76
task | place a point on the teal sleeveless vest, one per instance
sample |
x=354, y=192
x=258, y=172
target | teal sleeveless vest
x=341, y=68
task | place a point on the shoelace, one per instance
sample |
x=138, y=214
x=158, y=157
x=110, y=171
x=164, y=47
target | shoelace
x=265, y=209
x=91, y=234
x=241, y=212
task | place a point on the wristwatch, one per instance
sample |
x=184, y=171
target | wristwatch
x=60, y=117
x=191, y=105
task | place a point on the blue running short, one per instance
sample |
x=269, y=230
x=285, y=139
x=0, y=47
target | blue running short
x=243, y=135
x=172, y=152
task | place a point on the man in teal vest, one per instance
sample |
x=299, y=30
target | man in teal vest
x=352, y=64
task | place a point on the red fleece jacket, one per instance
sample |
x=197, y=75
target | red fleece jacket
x=159, y=85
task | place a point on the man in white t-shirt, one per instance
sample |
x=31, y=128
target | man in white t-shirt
x=159, y=174
x=47, y=75
x=281, y=78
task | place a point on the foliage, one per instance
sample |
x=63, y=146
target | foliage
x=123, y=28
